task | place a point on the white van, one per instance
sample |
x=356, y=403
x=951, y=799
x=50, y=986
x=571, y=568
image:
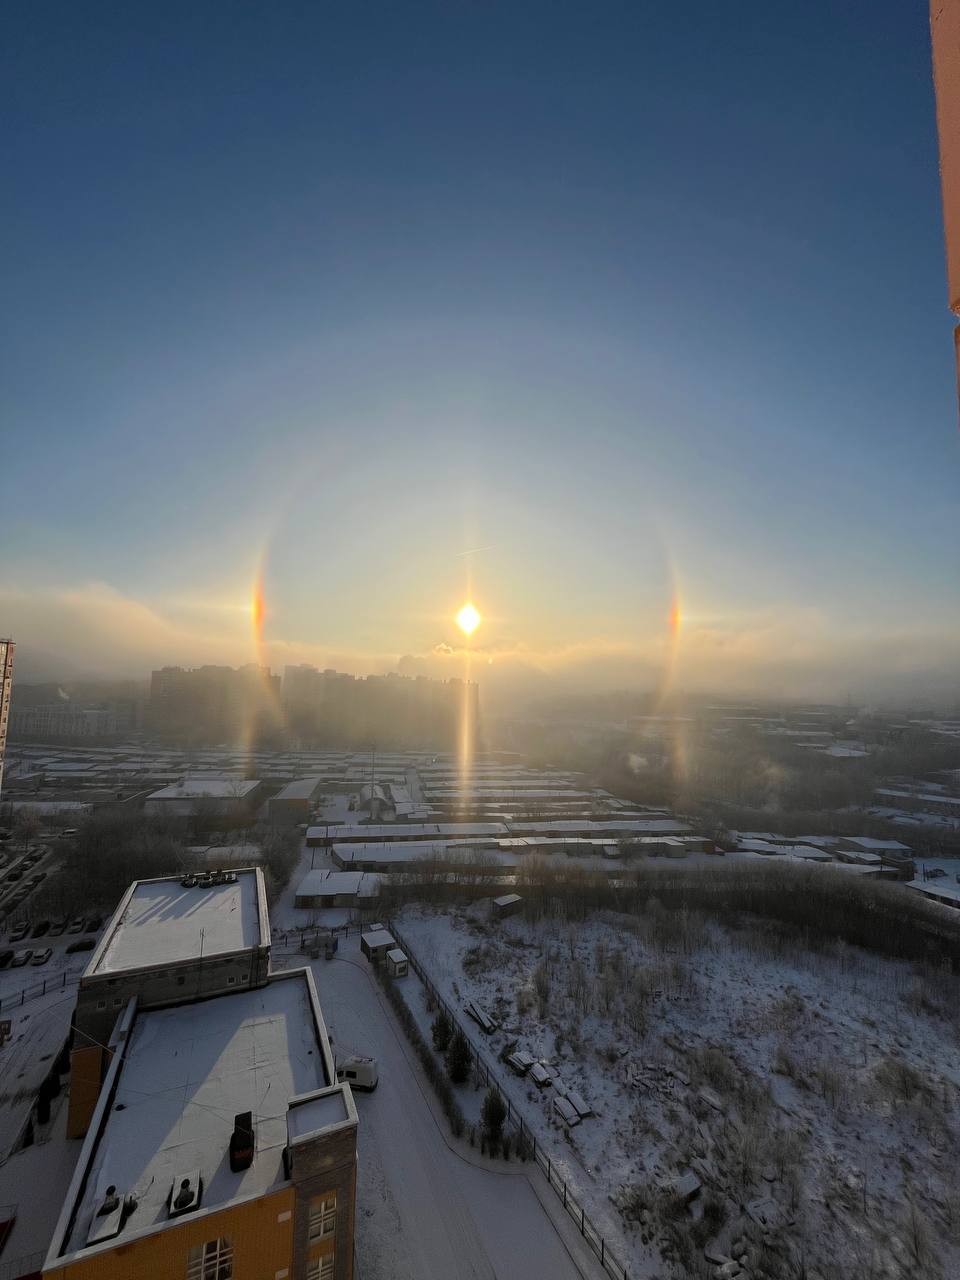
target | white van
x=358, y=1072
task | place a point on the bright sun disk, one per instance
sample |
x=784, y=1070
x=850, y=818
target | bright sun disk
x=468, y=619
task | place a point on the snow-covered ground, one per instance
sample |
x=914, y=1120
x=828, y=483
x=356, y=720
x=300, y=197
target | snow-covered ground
x=427, y=1205
x=813, y=1094
x=38, y=1029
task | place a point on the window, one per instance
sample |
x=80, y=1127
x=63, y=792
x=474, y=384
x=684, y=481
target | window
x=211, y=1261
x=321, y=1268
x=323, y=1216
x=101, y=1004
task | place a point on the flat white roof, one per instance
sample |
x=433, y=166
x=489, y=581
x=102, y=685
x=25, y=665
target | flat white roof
x=300, y=789
x=409, y=830
x=318, y=1111
x=195, y=788
x=160, y=922
x=186, y=1072
x=324, y=883
x=627, y=826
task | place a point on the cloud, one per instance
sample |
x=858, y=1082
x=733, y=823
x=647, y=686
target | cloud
x=97, y=631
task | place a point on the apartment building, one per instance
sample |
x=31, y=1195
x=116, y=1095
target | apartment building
x=6, y=685
x=218, y=1144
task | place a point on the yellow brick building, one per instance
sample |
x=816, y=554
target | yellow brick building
x=219, y=1144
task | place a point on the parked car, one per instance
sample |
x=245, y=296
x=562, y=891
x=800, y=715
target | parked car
x=76, y=925
x=14, y=876
x=361, y=1072
x=81, y=944
x=40, y=928
x=58, y=927
x=5, y=958
x=19, y=931
x=94, y=923
x=41, y=957
x=20, y=959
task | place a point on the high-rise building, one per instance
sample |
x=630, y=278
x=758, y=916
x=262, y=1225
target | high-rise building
x=6, y=684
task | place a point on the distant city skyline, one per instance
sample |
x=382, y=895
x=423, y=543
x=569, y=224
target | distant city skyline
x=628, y=324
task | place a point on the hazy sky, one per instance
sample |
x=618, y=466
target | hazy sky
x=641, y=299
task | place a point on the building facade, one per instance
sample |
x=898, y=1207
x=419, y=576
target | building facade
x=6, y=686
x=218, y=1143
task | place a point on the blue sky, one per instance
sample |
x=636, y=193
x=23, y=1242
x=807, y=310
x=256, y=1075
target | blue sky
x=644, y=300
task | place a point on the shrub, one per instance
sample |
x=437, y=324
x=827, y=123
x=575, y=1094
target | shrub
x=441, y=1031
x=459, y=1058
x=494, y=1114
x=451, y=1107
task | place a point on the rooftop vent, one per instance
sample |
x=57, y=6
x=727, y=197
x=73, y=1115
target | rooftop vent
x=107, y=1218
x=185, y=1193
x=242, y=1142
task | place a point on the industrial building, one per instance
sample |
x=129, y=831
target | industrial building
x=295, y=803
x=202, y=795
x=323, y=888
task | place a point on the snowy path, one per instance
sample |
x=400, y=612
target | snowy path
x=424, y=1210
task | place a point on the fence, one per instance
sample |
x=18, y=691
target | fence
x=17, y=998
x=570, y=1202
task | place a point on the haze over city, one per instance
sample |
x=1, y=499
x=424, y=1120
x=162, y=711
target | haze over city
x=365, y=312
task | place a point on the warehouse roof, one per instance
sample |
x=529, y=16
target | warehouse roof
x=201, y=785
x=300, y=788
x=161, y=922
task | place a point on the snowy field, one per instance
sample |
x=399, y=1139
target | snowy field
x=813, y=1096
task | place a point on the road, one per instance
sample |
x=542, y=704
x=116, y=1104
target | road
x=425, y=1212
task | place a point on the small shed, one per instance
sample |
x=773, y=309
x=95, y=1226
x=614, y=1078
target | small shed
x=396, y=963
x=375, y=944
x=507, y=905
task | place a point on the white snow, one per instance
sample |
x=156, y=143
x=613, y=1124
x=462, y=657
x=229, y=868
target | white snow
x=161, y=922
x=187, y=1071
x=691, y=1044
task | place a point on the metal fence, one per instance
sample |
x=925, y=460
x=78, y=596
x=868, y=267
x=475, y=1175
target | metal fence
x=571, y=1204
x=59, y=983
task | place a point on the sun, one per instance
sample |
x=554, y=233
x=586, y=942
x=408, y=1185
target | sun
x=468, y=619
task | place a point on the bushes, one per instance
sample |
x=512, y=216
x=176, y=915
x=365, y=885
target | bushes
x=494, y=1115
x=451, y=1107
x=459, y=1058
x=441, y=1031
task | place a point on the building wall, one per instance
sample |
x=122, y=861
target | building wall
x=261, y=1231
x=177, y=982
x=6, y=685
x=327, y=1165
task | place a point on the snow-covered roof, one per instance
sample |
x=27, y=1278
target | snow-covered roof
x=324, y=884
x=317, y=1111
x=184, y=1074
x=300, y=789
x=868, y=842
x=586, y=826
x=410, y=830
x=195, y=788
x=160, y=922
